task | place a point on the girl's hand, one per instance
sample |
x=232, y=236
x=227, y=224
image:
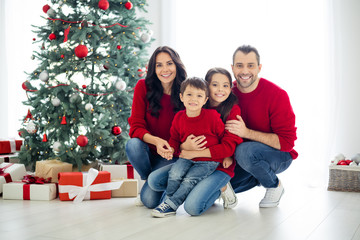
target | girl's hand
x=194, y=143
x=227, y=162
x=187, y=154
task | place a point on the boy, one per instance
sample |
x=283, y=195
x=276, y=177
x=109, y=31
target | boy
x=185, y=174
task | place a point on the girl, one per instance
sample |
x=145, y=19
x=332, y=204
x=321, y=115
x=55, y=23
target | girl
x=155, y=102
x=208, y=190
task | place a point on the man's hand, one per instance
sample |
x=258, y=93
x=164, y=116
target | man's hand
x=237, y=127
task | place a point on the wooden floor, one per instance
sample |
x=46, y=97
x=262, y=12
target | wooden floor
x=304, y=213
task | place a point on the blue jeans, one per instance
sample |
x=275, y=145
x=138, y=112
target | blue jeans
x=203, y=195
x=144, y=162
x=183, y=177
x=258, y=164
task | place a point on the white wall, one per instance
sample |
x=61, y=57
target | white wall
x=345, y=79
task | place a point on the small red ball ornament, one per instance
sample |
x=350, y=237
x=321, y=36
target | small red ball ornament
x=24, y=85
x=103, y=4
x=82, y=140
x=20, y=133
x=34, y=39
x=116, y=130
x=84, y=86
x=62, y=56
x=128, y=5
x=46, y=8
x=81, y=51
x=118, y=47
x=52, y=36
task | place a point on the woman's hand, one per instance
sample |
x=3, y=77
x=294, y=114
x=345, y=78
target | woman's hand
x=194, y=143
x=162, y=146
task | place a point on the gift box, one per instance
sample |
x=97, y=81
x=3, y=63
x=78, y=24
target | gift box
x=38, y=189
x=129, y=188
x=9, y=145
x=9, y=158
x=125, y=171
x=10, y=172
x=51, y=168
x=78, y=186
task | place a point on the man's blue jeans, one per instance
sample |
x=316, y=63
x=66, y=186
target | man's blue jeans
x=183, y=177
x=258, y=164
x=201, y=197
x=144, y=162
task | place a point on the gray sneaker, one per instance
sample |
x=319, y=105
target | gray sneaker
x=229, y=197
x=272, y=196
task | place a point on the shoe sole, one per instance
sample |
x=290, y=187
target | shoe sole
x=162, y=215
x=273, y=204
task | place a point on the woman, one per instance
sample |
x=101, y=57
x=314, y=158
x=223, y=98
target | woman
x=155, y=102
x=208, y=190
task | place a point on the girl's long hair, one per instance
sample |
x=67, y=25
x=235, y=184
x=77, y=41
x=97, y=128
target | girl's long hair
x=225, y=107
x=155, y=90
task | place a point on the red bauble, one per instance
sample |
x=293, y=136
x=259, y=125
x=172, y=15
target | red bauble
x=342, y=162
x=81, y=51
x=128, y=5
x=103, y=4
x=84, y=86
x=62, y=56
x=52, y=36
x=118, y=47
x=46, y=8
x=24, y=85
x=140, y=73
x=116, y=130
x=20, y=133
x=82, y=140
x=34, y=39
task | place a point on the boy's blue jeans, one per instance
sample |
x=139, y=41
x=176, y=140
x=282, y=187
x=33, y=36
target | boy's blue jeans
x=258, y=164
x=183, y=177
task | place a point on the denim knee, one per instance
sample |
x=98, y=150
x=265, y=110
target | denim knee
x=245, y=155
x=134, y=145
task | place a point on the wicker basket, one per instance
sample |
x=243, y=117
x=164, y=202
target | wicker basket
x=344, y=178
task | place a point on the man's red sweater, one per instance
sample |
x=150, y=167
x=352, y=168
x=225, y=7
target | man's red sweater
x=268, y=109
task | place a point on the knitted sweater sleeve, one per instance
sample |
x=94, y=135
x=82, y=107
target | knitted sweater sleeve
x=229, y=141
x=282, y=120
x=137, y=122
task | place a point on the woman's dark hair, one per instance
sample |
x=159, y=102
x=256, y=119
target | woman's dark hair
x=155, y=90
x=225, y=107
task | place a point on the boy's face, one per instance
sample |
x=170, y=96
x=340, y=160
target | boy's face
x=194, y=99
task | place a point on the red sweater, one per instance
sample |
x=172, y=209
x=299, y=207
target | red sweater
x=142, y=122
x=228, y=144
x=208, y=123
x=268, y=109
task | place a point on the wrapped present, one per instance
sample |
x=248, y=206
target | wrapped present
x=78, y=186
x=10, y=172
x=9, y=158
x=129, y=188
x=30, y=188
x=86, y=167
x=51, y=168
x=10, y=145
x=125, y=171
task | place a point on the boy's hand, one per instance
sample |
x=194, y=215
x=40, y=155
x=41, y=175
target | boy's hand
x=194, y=143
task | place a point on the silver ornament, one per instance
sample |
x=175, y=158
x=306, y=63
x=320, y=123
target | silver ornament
x=120, y=85
x=145, y=37
x=31, y=127
x=88, y=107
x=56, y=102
x=44, y=76
x=74, y=98
x=56, y=146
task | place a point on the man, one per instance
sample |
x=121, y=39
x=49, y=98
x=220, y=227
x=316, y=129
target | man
x=267, y=125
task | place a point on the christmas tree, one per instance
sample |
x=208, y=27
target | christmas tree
x=89, y=54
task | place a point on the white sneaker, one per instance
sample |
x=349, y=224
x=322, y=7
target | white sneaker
x=229, y=198
x=138, y=201
x=272, y=196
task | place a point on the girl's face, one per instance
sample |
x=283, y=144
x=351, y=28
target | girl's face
x=165, y=69
x=219, y=89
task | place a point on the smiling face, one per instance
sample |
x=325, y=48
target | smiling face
x=246, y=70
x=194, y=99
x=219, y=89
x=165, y=69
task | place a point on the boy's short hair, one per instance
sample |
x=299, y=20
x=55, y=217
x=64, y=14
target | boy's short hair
x=195, y=82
